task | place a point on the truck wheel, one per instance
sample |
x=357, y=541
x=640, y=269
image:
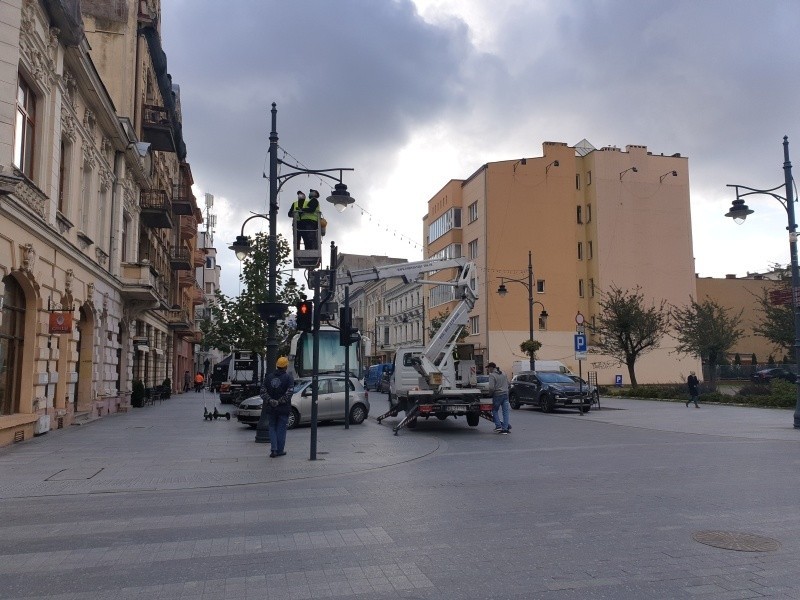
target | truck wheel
x=514, y=402
x=473, y=419
x=294, y=419
x=358, y=414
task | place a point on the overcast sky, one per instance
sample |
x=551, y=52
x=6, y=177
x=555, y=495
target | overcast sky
x=414, y=93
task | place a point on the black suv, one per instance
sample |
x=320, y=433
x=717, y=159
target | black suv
x=548, y=391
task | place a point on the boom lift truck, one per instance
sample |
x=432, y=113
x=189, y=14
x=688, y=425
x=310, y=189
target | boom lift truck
x=424, y=381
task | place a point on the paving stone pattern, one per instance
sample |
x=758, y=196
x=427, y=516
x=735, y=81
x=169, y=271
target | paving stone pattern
x=159, y=504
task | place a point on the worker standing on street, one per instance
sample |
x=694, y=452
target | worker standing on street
x=306, y=214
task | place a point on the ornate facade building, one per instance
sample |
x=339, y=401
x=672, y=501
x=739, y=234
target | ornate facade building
x=99, y=224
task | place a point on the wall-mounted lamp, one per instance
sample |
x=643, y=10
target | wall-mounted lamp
x=552, y=164
x=521, y=161
x=634, y=169
x=667, y=174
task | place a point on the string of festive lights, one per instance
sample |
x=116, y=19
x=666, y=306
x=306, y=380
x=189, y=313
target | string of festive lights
x=372, y=218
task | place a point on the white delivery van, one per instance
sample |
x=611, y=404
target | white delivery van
x=545, y=366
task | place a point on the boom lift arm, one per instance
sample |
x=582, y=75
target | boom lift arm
x=438, y=351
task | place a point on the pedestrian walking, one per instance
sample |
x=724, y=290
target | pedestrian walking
x=276, y=393
x=198, y=381
x=498, y=385
x=186, y=381
x=694, y=389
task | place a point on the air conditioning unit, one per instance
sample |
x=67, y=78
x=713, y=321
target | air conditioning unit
x=42, y=425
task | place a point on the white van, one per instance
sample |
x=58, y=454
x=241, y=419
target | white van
x=546, y=366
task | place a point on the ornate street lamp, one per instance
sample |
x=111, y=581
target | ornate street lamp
x=502, y=291
x=739, y=211
x=272, y=310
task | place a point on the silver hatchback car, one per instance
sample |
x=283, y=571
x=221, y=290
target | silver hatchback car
x=330, y=402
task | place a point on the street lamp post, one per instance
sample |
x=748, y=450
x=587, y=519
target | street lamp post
x=529, y=284
x=739, y=211
x=272, y=311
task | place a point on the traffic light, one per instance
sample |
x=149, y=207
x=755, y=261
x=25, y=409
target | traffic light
x=305, y=315
x=347, y=335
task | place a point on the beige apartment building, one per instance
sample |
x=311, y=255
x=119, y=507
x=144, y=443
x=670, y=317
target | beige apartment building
x=592, y=219
x=741, y=294
x=98, y=223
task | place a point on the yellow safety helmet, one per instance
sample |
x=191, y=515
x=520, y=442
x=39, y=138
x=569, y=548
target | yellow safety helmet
x=282, y=363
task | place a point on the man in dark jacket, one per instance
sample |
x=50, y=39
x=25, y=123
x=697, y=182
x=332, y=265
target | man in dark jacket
x=694, y=389
x=276, y=394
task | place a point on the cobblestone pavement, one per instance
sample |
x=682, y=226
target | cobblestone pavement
x=159, y=503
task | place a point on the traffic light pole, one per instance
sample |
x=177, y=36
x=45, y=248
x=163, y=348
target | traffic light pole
x=315, y=368
x=347, y=364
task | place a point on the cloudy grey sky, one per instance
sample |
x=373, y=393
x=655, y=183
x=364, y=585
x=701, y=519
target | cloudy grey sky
x=413, y=93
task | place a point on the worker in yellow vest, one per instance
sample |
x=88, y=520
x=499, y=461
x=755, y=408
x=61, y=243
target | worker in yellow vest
x=306, y=212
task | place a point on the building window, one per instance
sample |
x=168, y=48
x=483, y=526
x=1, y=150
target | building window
x=542, y=323
x=449, y=220
x=580, y=215
x=580, y=250
x=580, y=288
x=449, y=251
x=209, y=262
x=86, y=202
x=12, y=333
x=474, y=326
x=590, y=249
x=540, y=286
x=473, y=212
x=209, y=287
x=578, y=181
x=101, y=217
x=588, y=213
x=473, y=249
x=25, y=128
x=63, y=177
x=588, y=178
x=591, y=288
x=441, y=294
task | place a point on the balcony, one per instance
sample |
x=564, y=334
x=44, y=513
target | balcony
x=139, y=284
x=157, y=128
x=196, y=294
x=186, y=279
x=188, y=227
x=179, y=321
x=156, y=209
x=199, y=258
x=180, y=259
x=183, y=200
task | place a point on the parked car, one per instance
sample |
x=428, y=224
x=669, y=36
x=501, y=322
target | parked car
x=593, y=391
x=330, y=402
x=372, y=380
x=765, y=375
x=547, y=391
x=483, y=385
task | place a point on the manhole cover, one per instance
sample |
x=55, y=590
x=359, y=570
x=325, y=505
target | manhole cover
x=731, y=540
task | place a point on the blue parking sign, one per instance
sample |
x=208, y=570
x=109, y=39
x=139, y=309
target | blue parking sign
x=618, y=380
x=580, y=342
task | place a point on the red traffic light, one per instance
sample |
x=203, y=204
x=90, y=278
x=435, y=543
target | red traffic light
x=305, y=315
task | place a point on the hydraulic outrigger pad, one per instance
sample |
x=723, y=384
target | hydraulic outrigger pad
x=394, y=411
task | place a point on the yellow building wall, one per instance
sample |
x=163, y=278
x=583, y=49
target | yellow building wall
x=742, y=295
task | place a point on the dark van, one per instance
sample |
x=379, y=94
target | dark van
x=372, y=380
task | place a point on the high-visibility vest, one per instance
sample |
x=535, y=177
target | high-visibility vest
x=297, y=207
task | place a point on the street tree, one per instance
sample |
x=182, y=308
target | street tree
x=777, y=316
x=707, y=331
x=625, y=328
x=235, y=323
x=437, y=321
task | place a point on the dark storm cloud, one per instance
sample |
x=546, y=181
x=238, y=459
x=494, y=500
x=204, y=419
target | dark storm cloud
x=351, y=78
x=355, y=80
